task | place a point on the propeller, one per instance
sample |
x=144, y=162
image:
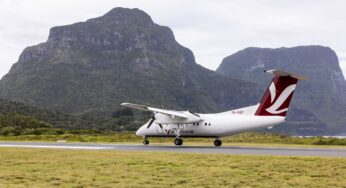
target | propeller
x=151, y=122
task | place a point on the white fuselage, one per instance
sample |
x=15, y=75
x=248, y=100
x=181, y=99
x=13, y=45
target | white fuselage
x=212, y=125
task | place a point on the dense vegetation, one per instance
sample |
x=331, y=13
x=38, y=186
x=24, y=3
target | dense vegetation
x=56, y=119
x=19, y=119
x=15, y=124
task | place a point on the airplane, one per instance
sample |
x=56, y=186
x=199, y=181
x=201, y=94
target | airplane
x=270, y=112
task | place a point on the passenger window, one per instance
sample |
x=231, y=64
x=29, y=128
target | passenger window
x=205, y=123
x=209, y=124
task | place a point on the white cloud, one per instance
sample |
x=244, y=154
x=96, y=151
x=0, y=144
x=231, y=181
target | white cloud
x=211, y=29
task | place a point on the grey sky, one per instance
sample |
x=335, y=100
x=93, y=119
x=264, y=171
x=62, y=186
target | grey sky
x=212, y=29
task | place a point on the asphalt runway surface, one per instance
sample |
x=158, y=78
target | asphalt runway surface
x=243, y=150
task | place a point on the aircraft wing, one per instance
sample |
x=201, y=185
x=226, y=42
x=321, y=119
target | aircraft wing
x=162, y=111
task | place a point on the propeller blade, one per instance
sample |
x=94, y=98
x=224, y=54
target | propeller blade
x=151, y=122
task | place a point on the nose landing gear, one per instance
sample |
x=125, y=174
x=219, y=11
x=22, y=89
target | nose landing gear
x=145, y=141
x=178, y=141
x=217, y=142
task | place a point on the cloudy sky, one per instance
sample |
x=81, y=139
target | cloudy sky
x=212, y=29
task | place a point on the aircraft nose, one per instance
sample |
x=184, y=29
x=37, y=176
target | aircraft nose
x=140, y=131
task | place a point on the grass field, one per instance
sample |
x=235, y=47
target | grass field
x=80, y=168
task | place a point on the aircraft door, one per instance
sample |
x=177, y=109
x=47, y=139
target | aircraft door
x=159, y=128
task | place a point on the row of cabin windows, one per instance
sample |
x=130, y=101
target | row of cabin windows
x=204, y=124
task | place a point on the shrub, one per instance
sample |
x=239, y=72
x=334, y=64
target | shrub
x=7, y=131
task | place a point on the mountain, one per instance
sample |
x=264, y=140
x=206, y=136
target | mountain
x=322, y=96
x=89, y=68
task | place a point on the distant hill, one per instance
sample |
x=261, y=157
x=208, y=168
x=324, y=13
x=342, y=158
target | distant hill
x=319, y=104
x=89, y=68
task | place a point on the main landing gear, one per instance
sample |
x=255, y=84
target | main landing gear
x=217, y=142
x=178, y=141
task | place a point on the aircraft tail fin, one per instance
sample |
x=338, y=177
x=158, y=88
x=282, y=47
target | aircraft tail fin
x=277, y=97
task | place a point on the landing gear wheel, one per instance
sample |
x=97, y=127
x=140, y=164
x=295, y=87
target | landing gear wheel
x=178, y=141
x=217, y=142
x=146, y=142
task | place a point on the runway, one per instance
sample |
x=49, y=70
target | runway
x=243, y=150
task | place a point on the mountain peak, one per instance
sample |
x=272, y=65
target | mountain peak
x=113, y=22
x=311, y=55
x=121, y=30
x=129, y=16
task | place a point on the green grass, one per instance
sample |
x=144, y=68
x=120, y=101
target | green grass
x=81, y=168
x=244, y=138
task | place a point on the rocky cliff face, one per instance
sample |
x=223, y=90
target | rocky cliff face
x=93, y=66
x=322, y=94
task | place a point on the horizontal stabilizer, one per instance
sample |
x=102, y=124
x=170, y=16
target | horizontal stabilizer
x=277, y=72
